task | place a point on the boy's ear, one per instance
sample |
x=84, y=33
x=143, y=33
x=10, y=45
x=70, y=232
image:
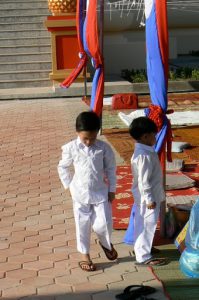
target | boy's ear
x=144, y=136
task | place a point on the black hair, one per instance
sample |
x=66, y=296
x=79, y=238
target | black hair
x=140, y=126
x=88, y=121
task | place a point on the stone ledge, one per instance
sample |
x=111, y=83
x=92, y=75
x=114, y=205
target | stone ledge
x=78, y=90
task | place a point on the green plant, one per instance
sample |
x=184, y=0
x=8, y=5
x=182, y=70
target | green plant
x=195, y=74
x=185, y=72
x=126, y=74
x=138, y=78
x=174, y=74
x=134, y=75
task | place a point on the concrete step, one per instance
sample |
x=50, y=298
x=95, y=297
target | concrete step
x=27, y=49
x=30, y=65
x=39, y=82
x=77, y=89
x=23, y=11
x=25, y=46
x=25, y=57
x=14, y=42
x=24, y=33
x=20, y=26
x=23, y=5
x=27, y=93
x=18, y=18
x=24, y=75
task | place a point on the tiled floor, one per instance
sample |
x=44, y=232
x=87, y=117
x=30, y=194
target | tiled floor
x=38, y=256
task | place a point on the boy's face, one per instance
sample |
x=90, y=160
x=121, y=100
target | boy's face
x=148, y=139
x=87, y=137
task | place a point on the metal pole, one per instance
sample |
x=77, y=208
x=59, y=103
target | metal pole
x=85, y=68
x=101, y=29
x=85, y=82
x=163, y=204
x=101, y=39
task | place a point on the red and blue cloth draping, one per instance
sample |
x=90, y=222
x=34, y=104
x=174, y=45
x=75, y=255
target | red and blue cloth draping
x=88, y=39
x=157, y=70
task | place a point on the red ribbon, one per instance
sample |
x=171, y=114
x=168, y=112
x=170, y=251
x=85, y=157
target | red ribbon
x=157, y=115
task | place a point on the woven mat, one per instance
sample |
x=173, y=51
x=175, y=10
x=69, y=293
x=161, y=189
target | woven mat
x=122, y=205
x=175, y=283
x=175, y=101
x=116, y=133
x=124, y=144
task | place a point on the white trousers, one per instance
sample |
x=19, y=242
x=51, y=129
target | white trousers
x=145, y=222
x=92, y=216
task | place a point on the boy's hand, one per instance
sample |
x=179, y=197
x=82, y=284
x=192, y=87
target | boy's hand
x=151, y=205
x=111, y=196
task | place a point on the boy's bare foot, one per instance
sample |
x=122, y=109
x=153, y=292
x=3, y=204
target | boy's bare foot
x=86, y=264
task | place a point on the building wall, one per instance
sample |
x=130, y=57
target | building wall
x=124, y=40
x=187, y=39
x=124, y=50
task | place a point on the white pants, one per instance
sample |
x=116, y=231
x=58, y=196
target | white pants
x=144, y=230
x=95, y=216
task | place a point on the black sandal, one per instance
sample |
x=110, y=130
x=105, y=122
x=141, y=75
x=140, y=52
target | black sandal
x=135, y=291
x=152, y=262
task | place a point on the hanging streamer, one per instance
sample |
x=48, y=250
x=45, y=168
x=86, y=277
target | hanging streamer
x=157, y=69
x=88, y=39
x=92, y=47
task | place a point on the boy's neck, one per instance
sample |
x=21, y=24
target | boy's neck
x=143, y=143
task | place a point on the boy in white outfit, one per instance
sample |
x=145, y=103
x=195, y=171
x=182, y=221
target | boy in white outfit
x=92, y=186
x=147, y=189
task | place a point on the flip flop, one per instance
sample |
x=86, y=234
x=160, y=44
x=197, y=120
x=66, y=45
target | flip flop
x=87, y=266
x=152, y=262
x=135, y=291
x=110, y=254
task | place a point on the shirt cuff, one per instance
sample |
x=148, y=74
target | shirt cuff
x=148, y=200
x=112, y=189
x=65, y=185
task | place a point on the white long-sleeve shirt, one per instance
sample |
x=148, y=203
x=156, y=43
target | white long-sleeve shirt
x=94, y=171
x=147, y=175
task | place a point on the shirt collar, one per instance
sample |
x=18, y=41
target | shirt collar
x=81, y=145
x=144, y=147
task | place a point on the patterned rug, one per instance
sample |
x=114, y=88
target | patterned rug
x=117, y=134
x=124, y=144
x=122, y=205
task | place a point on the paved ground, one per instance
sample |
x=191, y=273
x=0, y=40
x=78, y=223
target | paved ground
x=38, y=256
